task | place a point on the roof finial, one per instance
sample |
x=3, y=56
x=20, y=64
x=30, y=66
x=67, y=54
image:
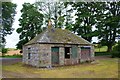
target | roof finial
x=49, y=24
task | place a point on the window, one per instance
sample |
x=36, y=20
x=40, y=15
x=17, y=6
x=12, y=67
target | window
x=29, y=48
x=67, y=52
x=29, y=55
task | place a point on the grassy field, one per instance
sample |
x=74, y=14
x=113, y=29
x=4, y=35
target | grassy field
x=102, y=49
x=103, y=68
x=12, y=56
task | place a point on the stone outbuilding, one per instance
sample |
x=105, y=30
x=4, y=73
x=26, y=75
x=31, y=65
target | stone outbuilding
x=57, y=47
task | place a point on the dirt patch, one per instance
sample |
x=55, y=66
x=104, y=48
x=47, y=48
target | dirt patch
x=10, y=74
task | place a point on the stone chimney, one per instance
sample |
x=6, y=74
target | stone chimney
x=49, y=24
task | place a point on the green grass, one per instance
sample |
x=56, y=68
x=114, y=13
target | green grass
x=105, y=68
x=10, y=49
x=102, y=53
x=102, y=49
x=12, y=56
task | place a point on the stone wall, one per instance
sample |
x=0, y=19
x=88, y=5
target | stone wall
x=61, y=56
x=34, y=55
x=92, y=53
x=92, y=57
x=45, y=55
x=41, y=55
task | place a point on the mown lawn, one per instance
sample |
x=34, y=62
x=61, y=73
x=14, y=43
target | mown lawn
x=103, y=68
x=11, y=56
x=102, y=49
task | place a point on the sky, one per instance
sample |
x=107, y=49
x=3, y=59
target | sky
x=12, y=40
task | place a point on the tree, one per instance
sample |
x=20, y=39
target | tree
x=85, y=19
x=52, y=11
x=69, y=15
x=109, y=23
x=4, y=51
x=31, y=22
x=8, y=13
x=105, y=16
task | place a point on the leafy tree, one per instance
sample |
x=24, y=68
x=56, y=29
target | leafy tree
x=105, y=16
x=85, y=20
x=52, y=11
x=8, y=13
x=4, y=51
x=69, y=15
x=31, y=21
x=108, y=23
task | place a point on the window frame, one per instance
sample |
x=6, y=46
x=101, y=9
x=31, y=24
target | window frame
x=67, y=56
x=29, y=55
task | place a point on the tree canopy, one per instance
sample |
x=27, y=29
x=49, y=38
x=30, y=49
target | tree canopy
x=8, y=13
x=85, y=20
x=31, y=21
x=108, y=25
x=92, y=19
x=53, y=11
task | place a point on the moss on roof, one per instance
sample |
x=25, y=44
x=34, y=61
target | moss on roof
x=57, y=35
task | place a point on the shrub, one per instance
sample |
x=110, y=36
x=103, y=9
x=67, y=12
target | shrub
x=17, y=55
x=116, y=50
x=4, y=50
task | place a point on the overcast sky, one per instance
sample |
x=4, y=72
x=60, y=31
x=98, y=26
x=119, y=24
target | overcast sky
x=12, y=40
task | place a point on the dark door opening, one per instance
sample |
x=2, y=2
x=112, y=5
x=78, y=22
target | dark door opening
x=67, y=52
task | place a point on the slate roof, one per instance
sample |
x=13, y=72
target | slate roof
x=57, y=35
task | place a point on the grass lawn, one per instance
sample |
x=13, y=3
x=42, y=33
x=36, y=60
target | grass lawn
x=12, y=56
x=102, y=53
x=102, y=49
x=103, y=68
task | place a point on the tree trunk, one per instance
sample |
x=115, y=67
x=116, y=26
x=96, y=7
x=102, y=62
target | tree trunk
x=109, y=49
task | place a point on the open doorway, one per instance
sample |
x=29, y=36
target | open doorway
x=67, y=52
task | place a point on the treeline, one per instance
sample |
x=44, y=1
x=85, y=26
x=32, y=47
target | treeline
x=86, y=19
